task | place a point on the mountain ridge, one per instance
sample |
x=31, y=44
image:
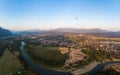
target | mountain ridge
x=75, y=30
x=93, y=31
x=5, y=32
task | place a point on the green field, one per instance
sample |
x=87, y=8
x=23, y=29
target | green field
x=9, y=63
x=12, y=65
x=48, y=56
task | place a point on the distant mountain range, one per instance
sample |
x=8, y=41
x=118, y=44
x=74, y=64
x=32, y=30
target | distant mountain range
x=5, y=32
x=25, y=32
x=74, y=30
x=95, y=31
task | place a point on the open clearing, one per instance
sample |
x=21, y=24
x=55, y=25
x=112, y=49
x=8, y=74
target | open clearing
x=9, y=63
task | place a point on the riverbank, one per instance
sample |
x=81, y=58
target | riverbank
x=91, y=68
x=9, y=63
x=38, y=68
x=85, y=69
x=100, y=67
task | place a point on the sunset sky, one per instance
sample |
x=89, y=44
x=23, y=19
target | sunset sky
x=50, y=14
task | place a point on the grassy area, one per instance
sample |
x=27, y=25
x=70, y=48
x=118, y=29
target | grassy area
x=9, y=63
x=48, y=56
x=96, y=55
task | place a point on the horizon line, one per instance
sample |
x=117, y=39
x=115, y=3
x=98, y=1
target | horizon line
x=60, y=28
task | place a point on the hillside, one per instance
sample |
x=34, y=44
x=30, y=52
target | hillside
x=94, y=31
x=4, y=32
x=74, y=30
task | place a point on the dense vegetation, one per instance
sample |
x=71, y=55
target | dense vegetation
x=48, y=56
x=3, y=46
x=95, y=55
x=9, y=63
x=100, y=55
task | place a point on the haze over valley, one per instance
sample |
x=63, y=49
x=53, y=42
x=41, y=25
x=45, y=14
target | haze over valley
x=59, y=37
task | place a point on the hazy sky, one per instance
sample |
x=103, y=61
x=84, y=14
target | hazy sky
x=49, y=14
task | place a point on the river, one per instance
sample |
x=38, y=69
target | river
x=40, y=69
x=100, y=67
x=45, y=71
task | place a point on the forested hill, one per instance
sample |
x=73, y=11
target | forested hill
x=4, y=32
